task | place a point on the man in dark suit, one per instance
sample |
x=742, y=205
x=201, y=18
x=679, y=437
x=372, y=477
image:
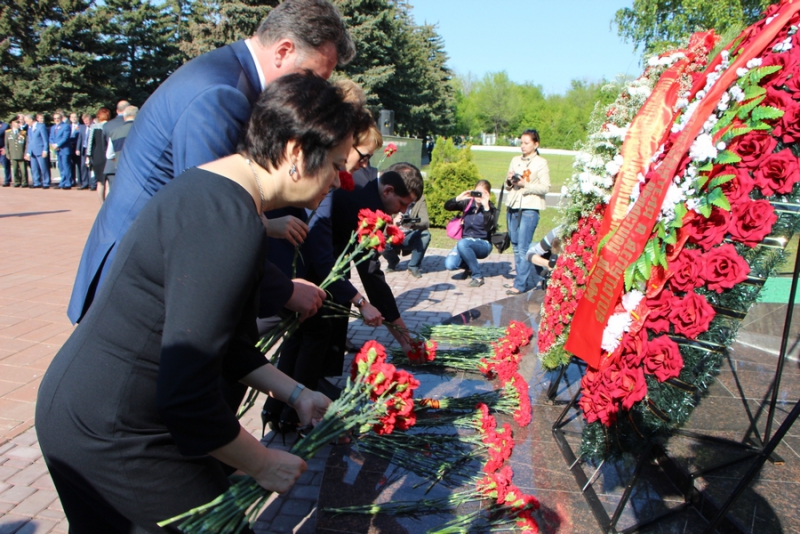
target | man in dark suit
x=117, y=121
x=37, y=151
x=14, y=142
x=81, y=152
x=196, y=116
x=3, y=159
x=60, y=143
x=74, y=158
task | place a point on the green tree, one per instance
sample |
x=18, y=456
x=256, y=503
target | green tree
x=210, y=24
x=451, y=172
x=51, y=56
x=656, y=25
x=141, y=41
x=497, y=103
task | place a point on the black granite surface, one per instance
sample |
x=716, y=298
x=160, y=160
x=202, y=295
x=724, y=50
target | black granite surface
x=734, y=408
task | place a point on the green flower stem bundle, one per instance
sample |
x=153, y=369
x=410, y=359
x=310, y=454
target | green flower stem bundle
x=376, y=396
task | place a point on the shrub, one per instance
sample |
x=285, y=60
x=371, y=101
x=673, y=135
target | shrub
x=451, y=172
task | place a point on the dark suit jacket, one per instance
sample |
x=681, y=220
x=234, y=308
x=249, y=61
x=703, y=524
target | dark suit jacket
x=74, y=136
x=83, y=132
x=3, y=127
x=59, y=136
x=194, y=117
x=329, y=232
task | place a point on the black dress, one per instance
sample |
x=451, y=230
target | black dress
x=135, y=399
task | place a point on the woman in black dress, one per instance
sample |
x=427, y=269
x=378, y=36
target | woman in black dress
x=135, y=415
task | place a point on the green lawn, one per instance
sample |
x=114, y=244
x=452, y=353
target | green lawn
x=493, y=166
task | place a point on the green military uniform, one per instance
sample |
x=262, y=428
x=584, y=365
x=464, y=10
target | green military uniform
x=15, y=152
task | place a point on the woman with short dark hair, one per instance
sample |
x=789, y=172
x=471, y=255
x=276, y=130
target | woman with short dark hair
x=136, y=414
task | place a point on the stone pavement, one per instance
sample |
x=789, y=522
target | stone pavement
x=42, y=233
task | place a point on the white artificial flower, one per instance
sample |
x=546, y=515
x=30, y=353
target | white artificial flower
x=674, y=196
x=613, y=166
x=753, y=63
x=632, y=299
x=692, y=204
x=736, y=93
x=721, y=146
x=641, y=90
x=783, y=46
x=770, y=19
x=682, y=103
x=703, y=148
x=618, y=324
x=606, y=198
x=741, y=71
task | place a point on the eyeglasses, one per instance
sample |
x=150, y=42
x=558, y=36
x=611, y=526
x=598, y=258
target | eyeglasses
x=362, y=158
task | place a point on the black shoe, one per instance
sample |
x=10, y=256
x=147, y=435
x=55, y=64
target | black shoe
x=414, y=271
x=476, y=282
x=17, y=185
x=463, y=276
x=391, y=268
x=6, y=185
x=83, y=188
x=269, y=418
x=93, y=188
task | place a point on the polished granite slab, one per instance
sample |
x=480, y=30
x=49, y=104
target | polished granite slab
x=734, y=408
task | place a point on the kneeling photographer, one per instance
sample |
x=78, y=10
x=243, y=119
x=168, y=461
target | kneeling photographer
x=478, y=220
x=543, y=255
x=414, y=223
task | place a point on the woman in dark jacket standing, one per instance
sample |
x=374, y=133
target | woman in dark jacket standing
x=479, y=221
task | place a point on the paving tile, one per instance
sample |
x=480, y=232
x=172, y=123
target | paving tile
x=11, y=524
x=29, y=475
x=38, y=526
x=35, y=503
x=16, y=494
x=26, y=439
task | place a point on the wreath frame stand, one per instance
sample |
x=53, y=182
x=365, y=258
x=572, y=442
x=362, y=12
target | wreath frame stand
x=763, y=450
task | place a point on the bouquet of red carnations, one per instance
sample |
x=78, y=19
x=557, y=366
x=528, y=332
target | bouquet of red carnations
x=377, y=397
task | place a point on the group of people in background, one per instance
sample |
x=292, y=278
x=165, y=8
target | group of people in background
x=84, y=148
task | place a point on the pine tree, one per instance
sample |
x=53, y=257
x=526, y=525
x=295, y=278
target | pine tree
x=143, y=47
x=50, y=56
x=216, y=23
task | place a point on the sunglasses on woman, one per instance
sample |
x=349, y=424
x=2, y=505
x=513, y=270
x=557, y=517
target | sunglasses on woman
x=362, y=158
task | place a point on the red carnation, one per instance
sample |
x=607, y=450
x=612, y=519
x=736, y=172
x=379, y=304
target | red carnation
x=686, y=270
x=663, y=358
x=395, y=235
x=778, y=173
x=691, y=315
x=724, y=268
x=754, y=147
x=346, y=182
x=752, y=221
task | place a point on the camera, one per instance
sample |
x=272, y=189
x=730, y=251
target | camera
x=409, y=220
x=516, y=178
x=475, y=194
x=552, y=262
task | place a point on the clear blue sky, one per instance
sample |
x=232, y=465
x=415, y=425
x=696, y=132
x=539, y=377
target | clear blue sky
x=546, y=42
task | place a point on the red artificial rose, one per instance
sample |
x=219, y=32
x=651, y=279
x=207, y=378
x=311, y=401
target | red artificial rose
x=787, y=62
x=778, y=173
x=793, y=83
x=632, y=348
x=626, y=384
x=754, y=147
x=663, y=358
x=707, y=232
x=788, y=128
x=596, y=401
x=686, y=270
x=752, y=221
x=691, y=315
x=724, y=268
x=737, y=189
x=660, y=307
x=778, y=99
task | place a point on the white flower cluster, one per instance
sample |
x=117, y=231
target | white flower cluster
x=612, y=131
x=711, y=79
x=613, y=166
x=619, y=323
x=703, y=148
x=666, y=61
x=783, y=46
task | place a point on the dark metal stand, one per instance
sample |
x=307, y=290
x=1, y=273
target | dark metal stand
x=683, y=481
x=552, y=389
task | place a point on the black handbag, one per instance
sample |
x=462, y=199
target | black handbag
x=500, y=240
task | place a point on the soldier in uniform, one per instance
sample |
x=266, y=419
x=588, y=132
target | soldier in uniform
x=15, y=152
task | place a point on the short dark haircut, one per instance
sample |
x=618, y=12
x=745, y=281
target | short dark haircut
x=410, y=179
x=303, y=107
x=310, y=24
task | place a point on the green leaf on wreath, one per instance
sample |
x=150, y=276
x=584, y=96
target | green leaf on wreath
x=759, y=125
x=745, y=110
x=702, y=180
x=753, y=91
x=719, y=180
x=672, y=237
x=717, y=198
x=629, y=277
x=606, y=239
x=725, y=120
x=650, y=252
x=707, y=167
x=680, y=213
x=726, y=156
x=704, y=208
x=766, y=113
x=755, y=75
x=736, y=132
